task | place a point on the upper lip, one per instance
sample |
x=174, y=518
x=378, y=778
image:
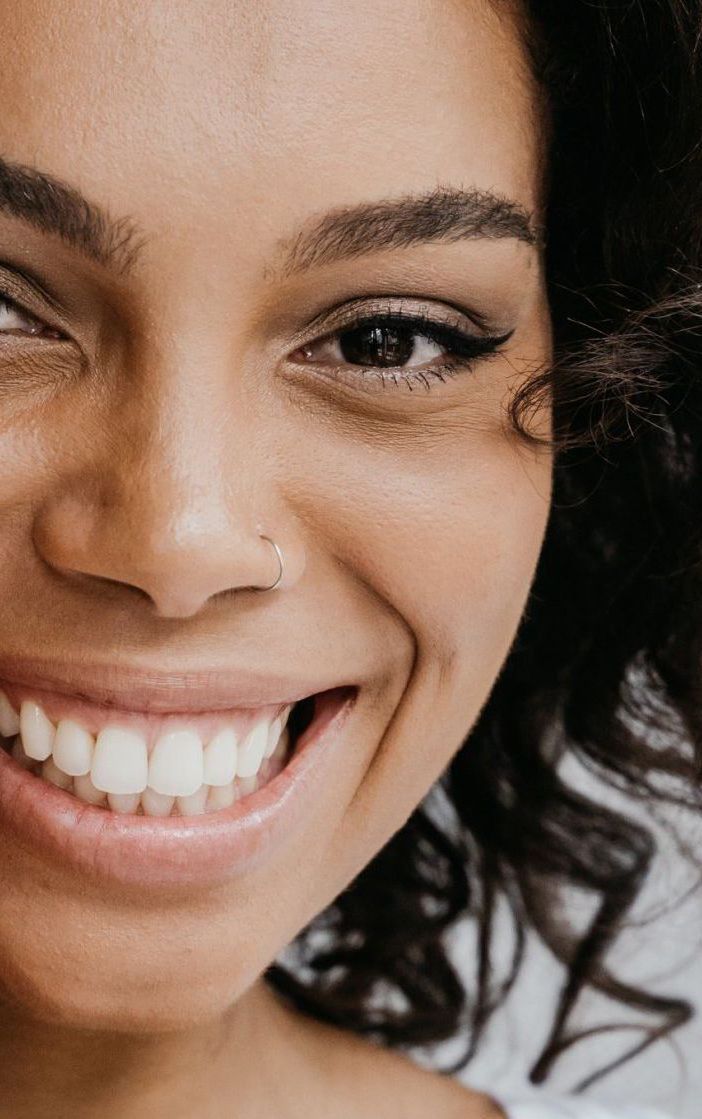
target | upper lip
x=146, y=688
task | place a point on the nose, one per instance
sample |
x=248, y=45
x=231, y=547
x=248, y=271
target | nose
x=165, y=506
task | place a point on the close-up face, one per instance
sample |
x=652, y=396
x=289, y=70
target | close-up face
x=302, y=285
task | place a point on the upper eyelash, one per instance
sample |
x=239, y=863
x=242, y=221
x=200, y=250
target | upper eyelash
x=464, y=346
x=10, y=301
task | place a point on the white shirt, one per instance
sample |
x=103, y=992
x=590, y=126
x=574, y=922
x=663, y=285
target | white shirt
x=575, y=1108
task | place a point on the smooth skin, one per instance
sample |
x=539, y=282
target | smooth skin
x=169, y=402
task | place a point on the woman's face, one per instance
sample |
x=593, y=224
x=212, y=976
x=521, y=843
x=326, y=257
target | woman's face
x=181, y=368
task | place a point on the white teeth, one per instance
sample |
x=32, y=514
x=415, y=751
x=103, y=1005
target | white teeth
x=120, y=762
x=56, y=776
x=219, y=758
x=73, y=748
x=176, y=764
x=9, y=721
x=37, y=731
x=115, y=770
x=19, y=755
x=156, y=804
x=273, y=736
x=221, y=796
x=250, y=753
x=277, y=729
x=83, y=787
x=247, y=784
x=124, y=803
x=194, y=805
x=282, y=747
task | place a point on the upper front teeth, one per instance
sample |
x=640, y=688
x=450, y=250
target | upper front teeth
x=9, y=722
x=36, y=730
x=119, y=762
x=176, y=765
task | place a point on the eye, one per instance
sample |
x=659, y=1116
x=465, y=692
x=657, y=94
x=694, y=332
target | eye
x=383, y=344
x=15, y=320
x=398, y=347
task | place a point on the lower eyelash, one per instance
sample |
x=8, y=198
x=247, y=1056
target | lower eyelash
x=464, y=350
x=450, y=368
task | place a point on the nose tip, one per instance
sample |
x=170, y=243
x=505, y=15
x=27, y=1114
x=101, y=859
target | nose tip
x=179, y=567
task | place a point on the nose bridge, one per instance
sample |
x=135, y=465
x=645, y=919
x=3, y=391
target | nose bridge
x=170, y=499
x=176, y=487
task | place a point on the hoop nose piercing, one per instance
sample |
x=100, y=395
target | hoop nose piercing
x=280, y=564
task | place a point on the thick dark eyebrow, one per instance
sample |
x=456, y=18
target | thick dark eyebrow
x=55, y=207
x=444, y=214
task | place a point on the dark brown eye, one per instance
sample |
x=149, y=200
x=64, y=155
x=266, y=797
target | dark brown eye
x=14, y=320
x=377, y=345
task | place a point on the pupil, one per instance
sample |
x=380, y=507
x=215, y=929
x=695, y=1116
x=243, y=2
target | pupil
x=376, y=345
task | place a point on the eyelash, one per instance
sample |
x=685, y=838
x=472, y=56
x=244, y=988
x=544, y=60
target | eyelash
x=465, y=348
x=7, y=301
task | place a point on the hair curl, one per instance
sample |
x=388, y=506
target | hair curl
x=617, y=585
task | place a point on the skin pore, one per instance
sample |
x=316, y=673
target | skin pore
x=186, y=386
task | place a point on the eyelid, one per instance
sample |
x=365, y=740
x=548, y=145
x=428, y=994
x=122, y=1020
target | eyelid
x=29, y=299
x=336, y=318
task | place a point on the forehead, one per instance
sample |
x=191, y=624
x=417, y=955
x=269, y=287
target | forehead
x=248, y=117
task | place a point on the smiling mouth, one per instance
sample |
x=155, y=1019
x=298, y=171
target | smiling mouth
x=149, y=764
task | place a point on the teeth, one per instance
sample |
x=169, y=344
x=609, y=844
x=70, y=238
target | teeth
x=220, y=758
x=193, y=805
x=221, y=796
x=83, y=787
x=156, y=804
x=250, y=754
x=125, y=803
x=273, y=736
x=37, y=731
x=9, y=722
x=120, y=762
x=19, y=755
x=73, y=748
x=176, y=763
x=277, y=728
x=115, y=770
x=247, y=784
x=51, y=772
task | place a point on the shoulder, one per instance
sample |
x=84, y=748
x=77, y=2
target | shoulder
x=366, y=1078
x=448, y=1099
x=421, y=1094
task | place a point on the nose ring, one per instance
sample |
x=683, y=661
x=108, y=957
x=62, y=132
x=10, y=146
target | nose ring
x=280, y=564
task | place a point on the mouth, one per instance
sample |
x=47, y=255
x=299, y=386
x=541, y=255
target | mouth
x=162, y=799
x=149, y=764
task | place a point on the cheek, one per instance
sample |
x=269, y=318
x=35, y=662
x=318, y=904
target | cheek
x=447, y=538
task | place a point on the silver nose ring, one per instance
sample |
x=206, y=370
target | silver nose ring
x=280, y=564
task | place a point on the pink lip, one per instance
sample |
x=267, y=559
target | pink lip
x=143, y=687
x=175, y=852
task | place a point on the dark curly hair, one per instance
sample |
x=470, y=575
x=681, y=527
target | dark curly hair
x=617, y=589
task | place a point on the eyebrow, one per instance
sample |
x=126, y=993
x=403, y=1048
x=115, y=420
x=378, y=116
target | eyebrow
x=52, y=206
x=445, y=214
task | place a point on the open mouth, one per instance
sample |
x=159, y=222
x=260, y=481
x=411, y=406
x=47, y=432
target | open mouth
x=149, y=765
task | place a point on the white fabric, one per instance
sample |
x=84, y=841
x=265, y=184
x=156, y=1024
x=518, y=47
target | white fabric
x=660, y=950
x=575, y=1108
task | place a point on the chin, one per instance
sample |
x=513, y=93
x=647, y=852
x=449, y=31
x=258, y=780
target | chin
x=109, y=991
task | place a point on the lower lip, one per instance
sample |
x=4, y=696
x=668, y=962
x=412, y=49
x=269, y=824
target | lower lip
x=175, y=852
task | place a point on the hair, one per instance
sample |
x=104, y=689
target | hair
x=617, y=594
